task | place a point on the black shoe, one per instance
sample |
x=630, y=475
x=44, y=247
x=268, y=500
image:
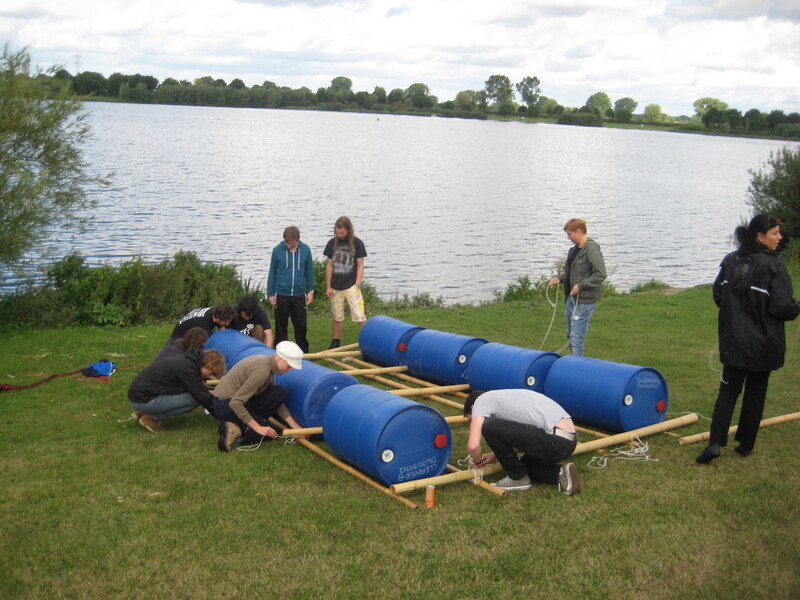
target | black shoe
x=743, y=452
x=709, y=454
x=228, y=434
x=334, y=344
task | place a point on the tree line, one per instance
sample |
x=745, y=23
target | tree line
x=499, y=95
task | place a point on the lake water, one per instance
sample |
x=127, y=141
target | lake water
x=456, y=208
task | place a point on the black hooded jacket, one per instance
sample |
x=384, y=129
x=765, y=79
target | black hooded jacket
x=754, y=294
x=172, y=375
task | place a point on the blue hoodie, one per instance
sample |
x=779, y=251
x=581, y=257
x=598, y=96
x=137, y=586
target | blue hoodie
x=290, y=273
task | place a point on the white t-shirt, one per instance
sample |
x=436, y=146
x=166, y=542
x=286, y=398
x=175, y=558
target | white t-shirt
x=520, y=406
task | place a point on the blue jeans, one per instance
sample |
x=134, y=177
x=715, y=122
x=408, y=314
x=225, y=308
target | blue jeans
x=167, y=405
x=578, y=316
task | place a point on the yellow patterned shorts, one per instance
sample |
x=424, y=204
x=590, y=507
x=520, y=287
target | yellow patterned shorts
x=354, y=300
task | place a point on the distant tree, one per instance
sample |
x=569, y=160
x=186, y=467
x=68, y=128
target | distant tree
x=396, y=95
x=547, y=106
x=624, y=109
x=755, y=120
x=481, y=99
x=168, y=82
x=499, y=90
x=529, y=91
x=113, y=84
x=418, y=95
x=237, y=84
x=777, y=191
x=465, y=100
x=703, y=105
x=380, y=95
x=598, y=103
x=43, y=174
x=653, y=114
x=207, y=81
x=342, y=89
x=62, y=74
x=89, y=83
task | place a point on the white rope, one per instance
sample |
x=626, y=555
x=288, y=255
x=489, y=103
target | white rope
x=553, y=317
x=638, y=451
x=289, y=441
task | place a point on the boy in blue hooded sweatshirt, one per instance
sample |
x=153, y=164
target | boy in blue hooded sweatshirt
x=290, y=286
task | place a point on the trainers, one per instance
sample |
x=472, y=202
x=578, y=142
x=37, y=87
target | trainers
x=568, y=481
x=514, y=485
x=149, y=422
x=228, y=434
x=334, y=344
x=709, y=454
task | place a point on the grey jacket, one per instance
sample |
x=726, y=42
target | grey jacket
x=585, y=267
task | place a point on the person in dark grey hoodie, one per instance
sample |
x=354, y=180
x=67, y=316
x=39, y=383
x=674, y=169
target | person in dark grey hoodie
x=583, y=276
x=290, y=286
x=173, y=386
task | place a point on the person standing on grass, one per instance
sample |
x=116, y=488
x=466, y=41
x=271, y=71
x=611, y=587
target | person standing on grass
x=252, y=320
x=290, y=286
x=583, y=276
x=247, y=396
x=754, y=294
x=519, y=420
x=344, y=274
x=174, y=385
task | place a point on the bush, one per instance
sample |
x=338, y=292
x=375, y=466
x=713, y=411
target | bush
x=586, y=119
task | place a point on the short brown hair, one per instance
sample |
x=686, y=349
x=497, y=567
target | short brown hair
x=291, y=233
x=224, y=312
x=470, y=400
x=575, y=225
x=214, y=361
x=194, y=338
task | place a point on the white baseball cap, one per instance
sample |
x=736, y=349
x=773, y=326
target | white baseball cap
x=291, y=353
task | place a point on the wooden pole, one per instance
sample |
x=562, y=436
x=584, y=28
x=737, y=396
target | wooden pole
x=345, y=467
x=699, y=437
x=318, y=430
x=397, y=384
x=334, y=352
x=627, y=436
x=405, y=377
x=483, y=484
x=419, y=484
x=374, y=371
x=591, y=432
x=427, y=391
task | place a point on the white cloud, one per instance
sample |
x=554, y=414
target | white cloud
x=744, y=52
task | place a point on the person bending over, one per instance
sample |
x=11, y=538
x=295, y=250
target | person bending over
x=519, y=420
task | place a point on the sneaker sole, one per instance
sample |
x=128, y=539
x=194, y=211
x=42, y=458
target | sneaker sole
x=573, y=481
x=514, y=488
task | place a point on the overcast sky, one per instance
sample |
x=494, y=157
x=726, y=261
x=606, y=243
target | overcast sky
x=665, y=52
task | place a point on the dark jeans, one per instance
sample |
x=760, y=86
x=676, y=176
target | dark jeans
x=261, y=406
x=542, y=451
x=293, y=307
x=755, y=392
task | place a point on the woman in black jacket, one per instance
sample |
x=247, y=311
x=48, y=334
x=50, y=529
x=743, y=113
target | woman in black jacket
x=754, y=294
x=173, y=386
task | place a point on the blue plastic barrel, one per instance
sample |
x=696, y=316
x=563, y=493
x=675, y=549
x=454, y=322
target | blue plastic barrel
x=391, y=438
x=384, y=340
x=441, y=357
x=613, y=396
x=234, y=346
x=496, y=366
x=310, y=391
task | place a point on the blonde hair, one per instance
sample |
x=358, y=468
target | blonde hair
x=214, y=361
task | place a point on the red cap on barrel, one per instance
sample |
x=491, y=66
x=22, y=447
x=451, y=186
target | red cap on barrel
x=402, y=347
x=661, y=406
x=440, y=441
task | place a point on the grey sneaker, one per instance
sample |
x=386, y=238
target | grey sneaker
x=568, y=481
x=514, y=485
x=228, y=434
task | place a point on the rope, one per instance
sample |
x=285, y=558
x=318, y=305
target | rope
x=5, y=387
x=553, y=317
x=289, y=441
x=639, y=451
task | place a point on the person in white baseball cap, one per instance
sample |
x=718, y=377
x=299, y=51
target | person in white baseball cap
x=291, y=353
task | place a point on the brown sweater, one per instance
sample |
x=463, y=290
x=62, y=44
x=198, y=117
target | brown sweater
x=248, y=377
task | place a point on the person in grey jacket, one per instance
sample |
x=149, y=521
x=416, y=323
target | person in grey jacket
x=290, y=286
x=583, y=276
x=754, y=294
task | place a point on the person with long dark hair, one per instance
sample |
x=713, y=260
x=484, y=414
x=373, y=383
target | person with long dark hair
x=755, y=298
x=344, y=274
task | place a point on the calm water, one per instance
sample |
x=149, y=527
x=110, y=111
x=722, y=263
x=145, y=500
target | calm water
x=451, y=207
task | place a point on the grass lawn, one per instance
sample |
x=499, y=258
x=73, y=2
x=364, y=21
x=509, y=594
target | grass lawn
x=94, y=506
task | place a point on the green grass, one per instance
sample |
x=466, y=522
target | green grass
x=96, y=507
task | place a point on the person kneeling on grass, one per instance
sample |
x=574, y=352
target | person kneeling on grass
x=247, y=396
x=173, y=386
x=518, y=420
